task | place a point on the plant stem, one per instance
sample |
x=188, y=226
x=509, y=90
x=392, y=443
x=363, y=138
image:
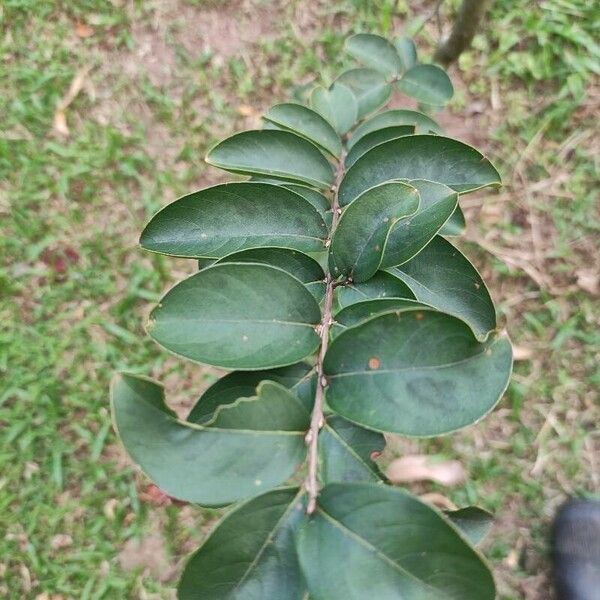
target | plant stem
x=317, y=419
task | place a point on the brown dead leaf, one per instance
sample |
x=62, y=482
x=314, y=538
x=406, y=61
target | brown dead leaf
x=83, y=30
x=589, y=281
x=246, y=110
x=418, y=467
x=438, y=500
x=60, y=117
x=60, y=541
x=522, y=352
x=147, y=553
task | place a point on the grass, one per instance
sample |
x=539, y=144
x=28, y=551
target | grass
x=160, y=83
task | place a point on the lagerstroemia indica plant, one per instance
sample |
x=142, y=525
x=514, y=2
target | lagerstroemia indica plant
x=328, y=287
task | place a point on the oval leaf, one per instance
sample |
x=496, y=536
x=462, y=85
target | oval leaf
x=298, y=378
x=440, y=275
x=431, y=157
x=360, y=238
x=407, y=52
x=263, y=436
x=372, y=541
x=395, y=118
x=345, y=452
x=306, y=123
x=278, y=154
x=419, y=373
x=265, y=565
x=456, y=224
x=374, y=139
x=369, y=87
x=238, y=316
x=337, y=104
x=410, y=236
x=473, y=521
x=226, y=218
x=428, y=84
x=376, y=52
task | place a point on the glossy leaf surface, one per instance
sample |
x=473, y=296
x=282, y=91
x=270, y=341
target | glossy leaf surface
x=262, y=436
x=431, y=157
x=360, y=239
x=381, y=285
x=279, y=154
x=440, y=275
x=370, y=88
x=455, y=225
x=368, y=541
x=337, y=105
x=473, y=521
x=226, y=218
x=428, y=84
x=306, y=123
x=250, y=555
x=419, y=373
x=239, y=316
x=374, y=139
x=375, y=52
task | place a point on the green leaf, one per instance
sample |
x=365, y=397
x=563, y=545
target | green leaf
x=369, y=87
x=381, y=285
x=440, y=275
x=360, y=239
x=345, y=452
x=410, y=236
x=428, y=84
x=262, y=436
x=250, y=555
x=373, y=541
x=418, y=373
x=394, y=118
x=473, y=521
x=238, y=316
x=306, y=123
x=338, y=105
x=219, y=220
x=278, y=154
x=298, y=378
x=407, y=52
x=375, y=52
x=374, y=139
x=431, y=157
x=455, y=225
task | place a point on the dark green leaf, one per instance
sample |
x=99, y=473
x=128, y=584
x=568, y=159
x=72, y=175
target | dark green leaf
x=374, y=139
x=360, y=239
x=473, y=521
x=262, y=436
x=250, y=555
x=315, y=198
x=338, y=105
x=455, y=225
x=375, y=52
x=410, y=236
x=407, y=51
x=279, y=154
x=306, y=123
x=431, y=157
x=418, y=373
x=345, y=452
x=428, y=84
x=394, y=118
x=238, y=316
x=298, y=378
x=370, y=88
x=381, y=285
x=374, y=541
x=440, y=275
x=226, y=218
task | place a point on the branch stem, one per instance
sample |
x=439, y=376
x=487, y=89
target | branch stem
x=317, y=418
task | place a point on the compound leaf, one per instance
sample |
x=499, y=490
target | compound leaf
x=370, y=88
x=455, y=225
x=306, y=123
x=360, y=239
x=374, y=139
x=375, y=52
x=407, y=52
x=272, y=153
x=338, y=105
x=226, y=218
x=431, y=157
x=373, y=541
x=381, y=285
x=262, y=436
x=428, y=84
x=419, y=373
x=238, y=316
x=250, y=554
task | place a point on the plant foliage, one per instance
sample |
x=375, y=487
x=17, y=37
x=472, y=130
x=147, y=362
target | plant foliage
x=327, y=286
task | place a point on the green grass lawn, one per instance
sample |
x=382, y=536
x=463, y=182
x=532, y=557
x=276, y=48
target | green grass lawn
x=153, y=85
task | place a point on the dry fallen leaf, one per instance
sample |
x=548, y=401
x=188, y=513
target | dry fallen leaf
x=438, y=500
x=589, y=281
x=418, y=467
x=60, y=116
x=83, y=30
x=522, y=352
